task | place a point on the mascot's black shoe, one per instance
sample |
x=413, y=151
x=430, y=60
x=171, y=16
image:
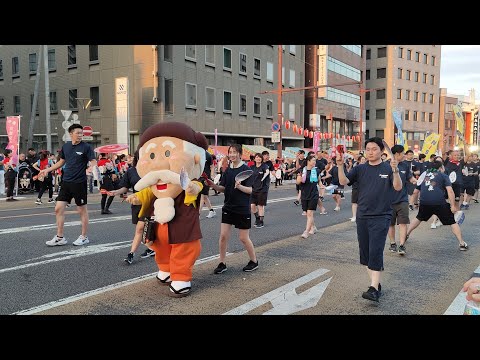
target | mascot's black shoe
x=165, y=281
x=179, y=293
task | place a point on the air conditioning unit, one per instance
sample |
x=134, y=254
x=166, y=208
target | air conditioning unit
x=155, y=99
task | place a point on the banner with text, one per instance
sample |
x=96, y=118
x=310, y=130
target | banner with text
x=121, y=101
x=397, y=118
x=430, y=144
x=13, y=129
x=460, y=128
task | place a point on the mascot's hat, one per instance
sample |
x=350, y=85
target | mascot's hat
x=174, y=129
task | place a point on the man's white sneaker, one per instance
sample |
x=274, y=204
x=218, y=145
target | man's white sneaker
x=56, y=241
x=353, y=219
x=82, y=240
x=211, y=214
x=438, y=223
x=434, y=225
x=38, y=202
x=337, y=208
x=304, y=235
x=313, y=230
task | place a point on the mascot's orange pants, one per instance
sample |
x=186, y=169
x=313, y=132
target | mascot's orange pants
x=177, y=259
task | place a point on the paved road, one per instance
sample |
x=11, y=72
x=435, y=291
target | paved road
x=94, y=279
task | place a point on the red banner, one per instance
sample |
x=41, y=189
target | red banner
x=13, y=126
x=316, y=141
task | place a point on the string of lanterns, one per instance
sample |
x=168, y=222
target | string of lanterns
x=323, y=136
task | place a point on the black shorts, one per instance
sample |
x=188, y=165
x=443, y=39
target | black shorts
x=470, y=190
x=354, y=196
x=372, y=234
x=259, y=198
x=310, y=204
x=400, y=214
x=205, y=190
x=443, y=212
x=457, y=190
x=135, y=211
x=240, y=221
x=70, y=190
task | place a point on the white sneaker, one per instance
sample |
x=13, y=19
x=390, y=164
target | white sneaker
x=81, y=240
x=56, y=241
x=337, y=208
x=353, y=219
x=313, y=230
x=304, y=213
x=438, y=223
x=38, y=202
x=433, y=226
x=211, y=214
x=304, y=235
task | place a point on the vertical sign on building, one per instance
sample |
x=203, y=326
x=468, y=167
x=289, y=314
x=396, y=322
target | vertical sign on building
x=475, y=128
x=322, y=54
x=121, y=105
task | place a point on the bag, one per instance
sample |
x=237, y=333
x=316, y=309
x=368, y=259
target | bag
x=148, y=233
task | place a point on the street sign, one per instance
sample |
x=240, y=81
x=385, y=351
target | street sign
x=87, y=131
x=275, y=137
x=87, y=138
x=275, y=126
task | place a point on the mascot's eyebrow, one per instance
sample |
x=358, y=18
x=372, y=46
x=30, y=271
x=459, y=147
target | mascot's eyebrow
x=168, y=143
x=150, y=146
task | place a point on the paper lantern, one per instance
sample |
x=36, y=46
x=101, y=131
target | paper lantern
x=358, y=138
x=330, y=135
x=300, y=130
x=305, y=133
x=294, y=128
x=287, y=125
x=348, y=137
x=310, y=134
x=343, y=137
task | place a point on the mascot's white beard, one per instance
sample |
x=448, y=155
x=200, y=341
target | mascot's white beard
x=164, y=210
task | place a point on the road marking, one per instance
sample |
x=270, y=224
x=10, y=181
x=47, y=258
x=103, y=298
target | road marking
x=70, y=299
x=285, y=300
x=458, y=304
x=69, y=212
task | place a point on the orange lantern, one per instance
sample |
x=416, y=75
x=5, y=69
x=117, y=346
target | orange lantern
x=305, y=133
x=300, y=130
x=358, y=138
x=287, y=125
x=294, y=128
x=310, y=134
x=338, y=136
x=330, y=135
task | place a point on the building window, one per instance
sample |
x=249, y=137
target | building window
x=168, y=53
x=432, y=79
x=415, y=116
x=227, y=59
x=409, y=75
x=399, y=94
x=51, y=60
x=269, y=109
x=424, y=78
x=407, y=114
x=425, y=58
x=283, y=75
x=415, y=96
x=369, y=54
x=381, y=52
x=343, y=69
x=72, y=99
x=32, y=63
x=416, y=76
x=168, y=85
x=72, y=55
x=367, y=114
x=95, y=96
x=2, y=107
x=400, y=53
x=270, y=72
x=93, y=53
x=53, y=102
x=367, y=95
x=243, y=64
x=367, y=74
x=424, y=97
x=430, y=117
x=381, y=73
x=243, y=104
x=291, y=111
x=31, y=104
x=400, y=73
x=381, y=94
x=15, y=67
x=380, y=134
x=292, y=78
x=190, y=95
x=210, y=55
x=433, y=62
x=209, y=99
x=256, y=67
x=227, y=101
x=431, y=99
x=191, y=52
x=417, y=56
x=409, y=54
x=16, y=105
x=256, y=106
x=1, y=69
x=343, y=97
x=356, y=49
x=424, y=116
x=380, y=114
x=407, y=94
x=293, y=49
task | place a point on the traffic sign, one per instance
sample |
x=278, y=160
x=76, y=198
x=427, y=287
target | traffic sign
x=275, y=137
x=275, y=126
x=87, y=138
x=87, y=131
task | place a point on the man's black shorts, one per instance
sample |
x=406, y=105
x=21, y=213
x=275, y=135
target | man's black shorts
x=70, y=190
x=135, y=211
x=443, y=212
x=240, y=221
x=259, y=198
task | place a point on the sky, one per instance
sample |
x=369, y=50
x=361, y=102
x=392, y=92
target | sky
x=460, y=69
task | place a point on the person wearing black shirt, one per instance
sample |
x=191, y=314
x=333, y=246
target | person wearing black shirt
x=300, y=163
x=308, y=180
x=259, y=189
x=236, y=209
x=477, y=178
x=377, y=183
x=204, y=199
x=469, y=173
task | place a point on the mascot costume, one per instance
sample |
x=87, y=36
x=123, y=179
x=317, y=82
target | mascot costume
x=165, y=151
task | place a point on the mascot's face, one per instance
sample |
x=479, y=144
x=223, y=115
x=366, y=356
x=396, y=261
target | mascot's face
x=169, y=155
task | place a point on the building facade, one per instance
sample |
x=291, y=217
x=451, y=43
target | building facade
x=213, y=88
x=402, y=78
x=446, y=120
x=339, y=70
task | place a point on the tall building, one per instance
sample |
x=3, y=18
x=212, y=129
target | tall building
x=213, y=88
x=402, y=78
x=339, y=70
x=446, y=120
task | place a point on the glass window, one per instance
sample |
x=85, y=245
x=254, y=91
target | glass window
x=415, y=117
x=16, y=105
x=343, y=69
x=357, y=49
x=210, y=54
x=269, y=108
x=400, y=73
x=369, y=54
x=409, y=54
x=191, y=52
x=424, y=116
x=381, y=52
x=425, y=58
x=399, y=93
x=400, y=52
x=209, y=98
x=367, y=95
x=381, y=94
x=51, y=60
x=409, y=75
x=15, y=66
x=270, y=71
x=190, y=95
x=256, y=106
x=168, y=95
x=32, y=62
x=381, y=73
x=380, y=114
x=72, y=55
x=243, y=64
x=72, y=99
x=407, y=114
x=291, y=111
x=243, y=104
x=367, y=114
x=31, y=104
x=415, y=96
x=1, y=69
x=417, y=56
x=367, y=74
x=432, y=79
x=95, y=96
x=293, y=49
x=343, y=97
x=433, y=62
x=424, y=97
x=424, y=78
x=256, y=67
x=380, y=134
x=407, y=94
x=227, y=59
x=416, y=76
x=227, y=101
x=93, y=52
x=167, y=53
x=430, y=117
x=283, y=75
x=292, y=78
x=53, y=102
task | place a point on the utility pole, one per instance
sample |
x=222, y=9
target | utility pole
x=47, y=98
x=279, y=100
x=35, y=99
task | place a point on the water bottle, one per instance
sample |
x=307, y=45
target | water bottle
x=472, y=308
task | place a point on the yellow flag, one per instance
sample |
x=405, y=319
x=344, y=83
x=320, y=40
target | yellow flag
x=430, y=144
x=460, y=130
x=405, y=142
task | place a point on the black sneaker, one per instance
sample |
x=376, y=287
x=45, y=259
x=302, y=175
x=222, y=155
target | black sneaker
x=251, y=266
x=257, y=220
x=147, y=253
x=129, y=258
x=393, y=247
x=260, y=224
x=463, y=247
x=296, y=203
x=402, y=250
x=475, y=201
x=222, y=267
x=371, y=294
x=321, y=198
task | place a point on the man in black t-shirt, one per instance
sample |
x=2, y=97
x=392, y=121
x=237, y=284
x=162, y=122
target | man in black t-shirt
x=259, y=194
x=300, y=163
x=75, y=155
x=206, y=189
